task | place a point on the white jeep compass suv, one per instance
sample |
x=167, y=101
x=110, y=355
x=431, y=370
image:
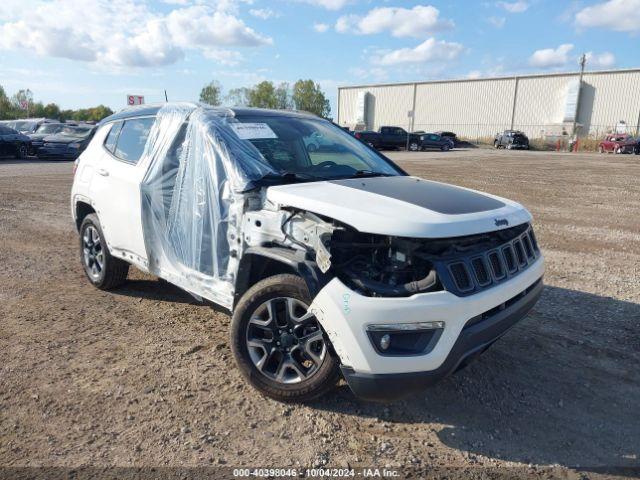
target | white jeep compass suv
x=332, y=259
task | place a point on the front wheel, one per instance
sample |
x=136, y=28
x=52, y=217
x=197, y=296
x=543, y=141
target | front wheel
x=102, y=270
x=22, y=151
x=445, y=148
x=600, y=149
x=278, y=343
x=414, y=147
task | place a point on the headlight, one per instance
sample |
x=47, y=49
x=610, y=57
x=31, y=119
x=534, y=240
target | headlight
x=74, y=145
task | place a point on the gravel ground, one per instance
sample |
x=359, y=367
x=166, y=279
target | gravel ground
x=143, y=376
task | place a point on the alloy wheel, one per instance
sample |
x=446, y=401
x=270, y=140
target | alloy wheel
x=92, y=252
x=285, y=341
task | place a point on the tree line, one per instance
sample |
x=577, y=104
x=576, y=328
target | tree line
x=304, y=95
x=21, y=105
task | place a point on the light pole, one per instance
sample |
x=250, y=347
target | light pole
x=583, y=61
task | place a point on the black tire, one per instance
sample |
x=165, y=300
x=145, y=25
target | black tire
x=600, y=149
x=22, y=151
x=496, y=145
x=445, y=148
x=113, y=271
x=414, y=147
x=276, y=288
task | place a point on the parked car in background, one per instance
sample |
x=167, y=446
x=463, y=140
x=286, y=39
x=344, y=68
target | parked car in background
x=389, y=138
x=28, y=125
x=44, y=130
x=450, y=135
x=68, y=144
x=618, y=143
x=13, y=143
x=435, y=141
x=511, y=139
x=636, y=149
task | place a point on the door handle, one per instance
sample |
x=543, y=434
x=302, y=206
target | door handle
x=103, y=172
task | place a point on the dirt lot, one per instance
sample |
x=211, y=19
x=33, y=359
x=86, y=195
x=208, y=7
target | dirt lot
x=143, y=376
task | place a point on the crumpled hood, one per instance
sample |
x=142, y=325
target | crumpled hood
x=402, y=206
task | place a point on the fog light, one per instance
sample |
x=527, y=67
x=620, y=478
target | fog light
x=401, y=339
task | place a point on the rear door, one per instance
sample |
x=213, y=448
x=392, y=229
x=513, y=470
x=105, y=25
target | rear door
x=115, y=186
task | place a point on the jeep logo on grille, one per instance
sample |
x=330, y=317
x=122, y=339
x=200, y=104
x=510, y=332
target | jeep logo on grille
x=501, y=222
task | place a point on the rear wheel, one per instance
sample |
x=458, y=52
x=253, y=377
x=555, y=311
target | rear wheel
x=496, y=144
x=445, y=148
x=278, y=344
x=102, y=270
x=414, y=147
x=600, y=149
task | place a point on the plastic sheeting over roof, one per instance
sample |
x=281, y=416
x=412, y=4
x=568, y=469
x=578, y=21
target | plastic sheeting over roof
x=192, y=200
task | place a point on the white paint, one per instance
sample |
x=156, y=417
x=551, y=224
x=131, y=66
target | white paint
x=373, y=213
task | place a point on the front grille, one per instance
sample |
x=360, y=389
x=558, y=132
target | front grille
x=470, y=273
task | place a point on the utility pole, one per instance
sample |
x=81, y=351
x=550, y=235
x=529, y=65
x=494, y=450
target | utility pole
x=165, y=96
x=583, y=61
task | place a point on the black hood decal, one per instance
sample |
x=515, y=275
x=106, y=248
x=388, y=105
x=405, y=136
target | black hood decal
x=439, y=197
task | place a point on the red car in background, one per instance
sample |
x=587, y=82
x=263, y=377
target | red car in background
x=618, y=143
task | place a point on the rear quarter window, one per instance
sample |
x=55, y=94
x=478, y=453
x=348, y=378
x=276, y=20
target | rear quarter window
x=112, y=137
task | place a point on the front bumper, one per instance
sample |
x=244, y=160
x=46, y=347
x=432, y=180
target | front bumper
x=345, y=316
x=473, y=340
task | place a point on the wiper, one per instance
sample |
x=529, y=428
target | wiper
x=290, y=177
x=369, y=173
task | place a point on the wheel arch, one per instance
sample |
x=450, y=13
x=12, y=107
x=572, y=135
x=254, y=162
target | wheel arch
x=258, y=263
x=81, y=210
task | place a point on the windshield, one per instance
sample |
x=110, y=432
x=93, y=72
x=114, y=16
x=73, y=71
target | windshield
x=49, y=128
x=80, y=132
x=24, y=126
x=311, y=148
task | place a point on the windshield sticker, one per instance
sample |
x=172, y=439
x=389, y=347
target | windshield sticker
x=252, y=131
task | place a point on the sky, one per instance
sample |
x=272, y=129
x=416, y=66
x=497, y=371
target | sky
x=81, y=53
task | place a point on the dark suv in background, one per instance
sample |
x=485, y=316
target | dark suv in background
x=511, y=139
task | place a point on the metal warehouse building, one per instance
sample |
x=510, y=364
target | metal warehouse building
x=540, y=105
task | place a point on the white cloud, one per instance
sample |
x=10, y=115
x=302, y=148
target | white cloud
x=473, y=74
x=600, y=60
x=122, y=33
x=514, y=7
x=224, y=57
x=428, y=51
x=417, y=22
x=328, y=4
x=551, y=57
x=497, y=22
x=320, y=27
x=618, y=15
x=263, y=13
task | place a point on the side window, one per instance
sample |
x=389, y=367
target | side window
x=112, y=137
x=132, y=139
x=4, y=130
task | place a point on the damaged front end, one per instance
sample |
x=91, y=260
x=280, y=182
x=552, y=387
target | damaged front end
x=388, y=266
